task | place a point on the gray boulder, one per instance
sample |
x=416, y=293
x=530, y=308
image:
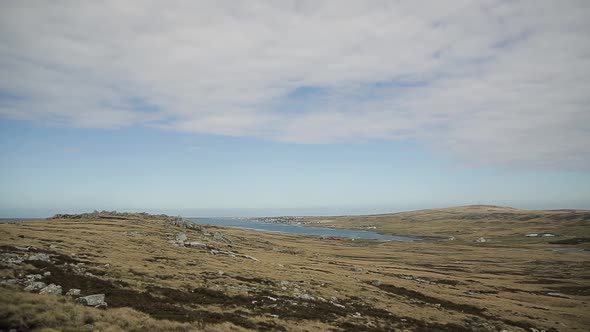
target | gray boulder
x=95, y=300
x=74, y=292
x=52, y=289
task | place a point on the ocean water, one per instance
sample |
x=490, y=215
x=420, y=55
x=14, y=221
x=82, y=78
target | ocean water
x=298, y=229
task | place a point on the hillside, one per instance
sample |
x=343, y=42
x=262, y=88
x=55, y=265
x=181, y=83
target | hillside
x=468, y=223
x=162, y=274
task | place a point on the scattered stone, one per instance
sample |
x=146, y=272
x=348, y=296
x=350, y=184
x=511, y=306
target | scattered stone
x=47, y=274
x=52, y=289
x=481, y=240
x=39, y=257
x=554, y=294
x=74, y=292
x=22, y=248
x=9, y=259
x=53, y=246
x=304, y=296
x=356, y=269
x=216, y=252
x=195, y=244
x=95, y=300
x=532, y=235
x=35, y=286
x=219, y=236
x=181, y=237
x=9, y=282
x=338, y=305
x=376, y=282
x=34, y=277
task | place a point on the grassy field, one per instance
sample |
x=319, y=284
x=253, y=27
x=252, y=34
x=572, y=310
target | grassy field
x=238, y=280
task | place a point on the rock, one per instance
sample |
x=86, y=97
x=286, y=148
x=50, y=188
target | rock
x=481, y=240
x=304, y=296
x=74, y=292
x=35, y=286
x=219, y=236
x=356, y=269
x=376, y=282
x=95, y=300
x=181, y=237
x=34, y=277
x=9, y=259
x=52, y=246
x=194, y=244
x=52, y=289
x=338, y=305
x=532, y=235
x=9, y=282
x=47, y=274
x=39, y=257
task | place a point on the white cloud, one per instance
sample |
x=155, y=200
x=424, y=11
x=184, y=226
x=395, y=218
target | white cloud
x=492, y=82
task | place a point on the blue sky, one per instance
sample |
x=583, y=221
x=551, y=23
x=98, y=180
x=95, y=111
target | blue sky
x=48, y=170
x=323, y=107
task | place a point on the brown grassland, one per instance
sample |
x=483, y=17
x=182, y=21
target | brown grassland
x=297, y=283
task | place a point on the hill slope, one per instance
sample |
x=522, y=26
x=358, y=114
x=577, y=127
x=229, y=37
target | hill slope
x=160, y=274
x=470, y=222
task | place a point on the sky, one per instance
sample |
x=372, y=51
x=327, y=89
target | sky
x=225, y=108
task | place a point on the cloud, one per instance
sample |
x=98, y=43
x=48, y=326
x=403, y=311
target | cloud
x=490, y=82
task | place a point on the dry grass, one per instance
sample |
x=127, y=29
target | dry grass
x=52, y=313
x=432, y=285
